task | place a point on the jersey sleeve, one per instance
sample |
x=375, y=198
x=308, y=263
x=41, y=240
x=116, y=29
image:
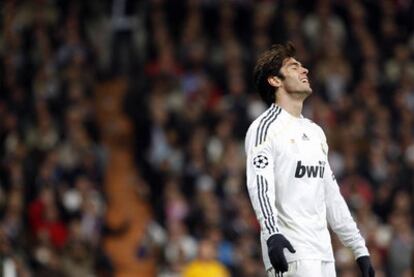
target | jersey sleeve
x=261, y=182
x=338, y=215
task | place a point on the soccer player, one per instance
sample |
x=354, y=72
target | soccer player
x=291, y=186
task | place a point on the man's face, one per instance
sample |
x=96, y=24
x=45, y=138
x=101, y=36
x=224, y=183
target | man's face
x=296, y=77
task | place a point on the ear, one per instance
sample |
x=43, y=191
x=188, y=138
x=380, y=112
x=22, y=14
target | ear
x=274, y=81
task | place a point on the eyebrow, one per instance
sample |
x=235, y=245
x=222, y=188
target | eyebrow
x=296, y=63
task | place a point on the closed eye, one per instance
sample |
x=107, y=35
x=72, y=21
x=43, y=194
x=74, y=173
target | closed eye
x=294, y=65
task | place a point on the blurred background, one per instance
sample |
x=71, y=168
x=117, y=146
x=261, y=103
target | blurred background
x=122, y=127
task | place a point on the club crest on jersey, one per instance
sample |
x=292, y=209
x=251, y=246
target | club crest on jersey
x=310, y=171
x=260, y=161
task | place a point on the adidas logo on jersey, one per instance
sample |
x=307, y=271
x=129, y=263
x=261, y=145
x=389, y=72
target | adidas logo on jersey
x=311, y=171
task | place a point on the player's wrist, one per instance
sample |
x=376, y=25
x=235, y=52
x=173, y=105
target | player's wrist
x=274, y=239
x=274, y=235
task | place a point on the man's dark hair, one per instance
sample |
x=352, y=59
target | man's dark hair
x=269, y=64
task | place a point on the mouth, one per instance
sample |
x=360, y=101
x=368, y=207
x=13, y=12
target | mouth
x=305, y=80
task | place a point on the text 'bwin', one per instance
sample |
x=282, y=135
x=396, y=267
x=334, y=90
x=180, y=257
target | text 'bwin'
x=311, y=171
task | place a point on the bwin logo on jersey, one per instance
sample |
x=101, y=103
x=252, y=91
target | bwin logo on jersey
x=311, y=171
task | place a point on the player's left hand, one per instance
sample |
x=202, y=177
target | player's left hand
x=365, y=266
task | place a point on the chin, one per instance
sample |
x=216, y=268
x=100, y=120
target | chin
x=302, y=93
x=306, y=92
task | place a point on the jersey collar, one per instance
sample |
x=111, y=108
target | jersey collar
x=286, y=114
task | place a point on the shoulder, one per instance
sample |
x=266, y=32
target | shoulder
x=259, y=128
x=318, y=129
x=218, y=269
x=192, y=268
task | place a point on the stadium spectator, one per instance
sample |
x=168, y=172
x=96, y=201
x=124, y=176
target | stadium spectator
x=206, y=263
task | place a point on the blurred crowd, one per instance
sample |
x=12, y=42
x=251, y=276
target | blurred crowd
x=191, y=98
x=51, y=159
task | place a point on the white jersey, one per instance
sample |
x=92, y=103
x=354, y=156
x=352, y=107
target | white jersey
x=293, y=190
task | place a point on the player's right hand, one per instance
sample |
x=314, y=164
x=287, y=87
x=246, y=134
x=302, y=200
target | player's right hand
x=275, y=244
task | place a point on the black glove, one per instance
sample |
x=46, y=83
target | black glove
x=275, y=244
x=365, y=266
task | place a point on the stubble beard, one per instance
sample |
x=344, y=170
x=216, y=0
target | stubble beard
x=301, y=94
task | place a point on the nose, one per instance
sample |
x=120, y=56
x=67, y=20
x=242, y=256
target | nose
x=305, y=70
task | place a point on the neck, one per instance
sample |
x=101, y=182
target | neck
x=292, y=105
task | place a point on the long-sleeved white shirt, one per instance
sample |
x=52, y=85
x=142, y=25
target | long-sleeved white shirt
x=293, y=190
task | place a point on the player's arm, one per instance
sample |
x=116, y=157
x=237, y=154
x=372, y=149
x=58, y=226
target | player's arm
x=341, y=222
x=261, y=187
x=339, y=217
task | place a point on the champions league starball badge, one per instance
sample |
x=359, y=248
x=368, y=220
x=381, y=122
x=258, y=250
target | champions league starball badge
x=260, y=161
